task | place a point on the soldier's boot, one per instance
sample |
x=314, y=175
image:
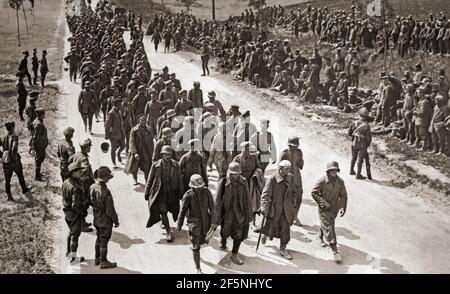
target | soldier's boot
x=38, y=175
x=236, y=258
x=223, y=245
x=369, y=174
x=68, y=246
x=284, y=253
x=352, y=167
x=9, y=197
x=297, y=222
x=97, y=254
x=105, y=263
x=358, y=173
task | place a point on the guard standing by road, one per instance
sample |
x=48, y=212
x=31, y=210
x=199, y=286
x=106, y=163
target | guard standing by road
x=233, y=210
x=295, y=156
x=198, y=206
x=74, y=210
x=40, y=142
x=331, y=196
x=22, y=94
x=279, y=206
x=10, y=158
x=30, y=111
x=65, y=151
x=163, y=191
x=23, y=67
x=105, y=215
x=82, y=157
x=35, y=66
x=361, y=136
x=44, y=67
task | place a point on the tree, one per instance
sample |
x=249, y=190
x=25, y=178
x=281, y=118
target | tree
x=16, y=4
x=187, y=3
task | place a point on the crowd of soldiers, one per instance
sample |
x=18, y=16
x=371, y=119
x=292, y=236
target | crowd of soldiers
x=175, y=137
x=332, y=81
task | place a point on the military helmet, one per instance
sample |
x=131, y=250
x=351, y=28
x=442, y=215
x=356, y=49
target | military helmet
x=333, y=165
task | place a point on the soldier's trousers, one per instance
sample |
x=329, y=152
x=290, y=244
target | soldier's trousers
x=87, y=120
x=409, y=127
x=74, y=233
x=103, y=236
x=22, y=104
x=73, y=73
x=29, y=78
x=327, y=229
x=35, y=72
x=43, y=75
x=117, y=146
x=39, y=159
x=440, y=135
x=9, y=170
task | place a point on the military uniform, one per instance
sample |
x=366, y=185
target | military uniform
x=22, y=94
x=115, y=132
x=12, y=163
x=192, y=163
x=361, y=136
x=74, y=211
x=105, y=216
x=330, y=195
x=65, y=151
x=40, y=143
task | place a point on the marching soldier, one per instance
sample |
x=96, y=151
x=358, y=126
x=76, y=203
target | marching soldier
x=105, y=215
x=40, y=142
x=153, y=110
x=195, y=95
x=265, y=144
x=141, y=149
x=166, y=140
x=244, y=131
x=233, y=211
x=279, y=206
x=73, y=207
x=295, y=157
x=87, y=106
x=192, y=163
x=10, y=158
x=205, y=59
x=220, y=151
x=22, y=94
x=331, y=197
x=114, y=132
x=361, y=136
x=65, y=151
x=74, y=61
x=163, y=191
x=198, y=206
x=248, y=162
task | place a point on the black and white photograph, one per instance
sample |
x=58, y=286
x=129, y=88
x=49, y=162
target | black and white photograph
x=224, y=137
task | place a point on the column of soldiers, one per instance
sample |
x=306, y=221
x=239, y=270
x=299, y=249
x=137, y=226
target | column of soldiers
x=173, y=137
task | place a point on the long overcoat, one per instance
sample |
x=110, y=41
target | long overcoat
x=153, y=188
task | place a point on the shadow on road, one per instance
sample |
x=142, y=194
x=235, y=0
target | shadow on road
x=88, y=267
x=124, y=241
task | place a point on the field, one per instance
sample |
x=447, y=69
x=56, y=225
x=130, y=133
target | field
x=25, y=243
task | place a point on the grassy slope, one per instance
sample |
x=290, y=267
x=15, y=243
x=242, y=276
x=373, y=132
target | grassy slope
x=24, y=242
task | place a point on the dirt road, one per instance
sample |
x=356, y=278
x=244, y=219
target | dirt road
x=385, y=230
